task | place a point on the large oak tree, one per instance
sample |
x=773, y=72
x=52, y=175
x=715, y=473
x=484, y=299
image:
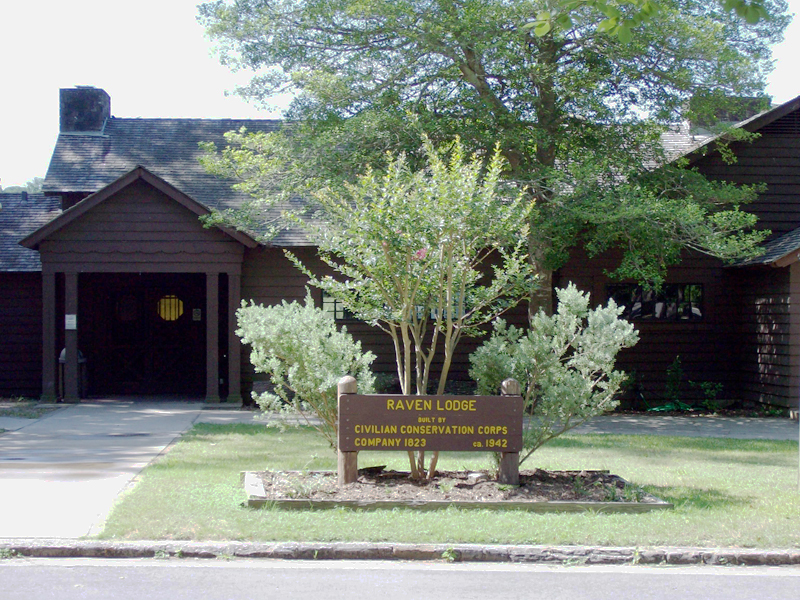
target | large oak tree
x=576, y=105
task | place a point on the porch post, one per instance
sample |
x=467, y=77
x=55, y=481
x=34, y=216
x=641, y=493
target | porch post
x=71, y=337
x=234, y=347
x=212, y=337
x=49, y=356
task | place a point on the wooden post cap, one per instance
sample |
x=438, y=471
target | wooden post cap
x=510, y=387
x=347, y=385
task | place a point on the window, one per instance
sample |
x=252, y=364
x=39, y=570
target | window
x=677, y=302
x=335, y=308
x=170, y=308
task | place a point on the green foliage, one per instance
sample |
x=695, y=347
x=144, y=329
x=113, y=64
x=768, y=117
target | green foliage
x=450, y=555
x=674, y=396
x=658, y=215
x=305, y=356
x=710, y=390
x=565, y=364
x=672, y=406
x=672, y=392
x=428, y=255
x=576, y=95
x=623, y=16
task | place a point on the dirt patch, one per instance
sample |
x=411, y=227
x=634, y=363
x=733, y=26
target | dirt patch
x=376, y=484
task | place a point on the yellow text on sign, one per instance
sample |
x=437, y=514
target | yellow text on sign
x=453, y=405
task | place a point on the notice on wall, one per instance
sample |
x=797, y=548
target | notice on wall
x=70, y=322
x=446, y=423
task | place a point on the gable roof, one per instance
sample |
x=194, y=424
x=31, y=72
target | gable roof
x=20, y=215
x=167, y=148
x=753, y=124
x=783, y=250
x=138, y=173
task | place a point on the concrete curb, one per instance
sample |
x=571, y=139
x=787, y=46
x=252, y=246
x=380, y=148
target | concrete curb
x=560, y=555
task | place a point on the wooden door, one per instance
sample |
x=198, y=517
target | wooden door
x=144, y=333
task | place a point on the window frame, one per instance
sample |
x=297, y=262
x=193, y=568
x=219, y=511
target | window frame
x=335, y=308
x=672, y=303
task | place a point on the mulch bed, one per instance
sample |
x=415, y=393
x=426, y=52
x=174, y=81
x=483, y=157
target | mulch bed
x=376, y=484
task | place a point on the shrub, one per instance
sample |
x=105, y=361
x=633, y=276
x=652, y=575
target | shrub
x=564, y=363
x=305, y=355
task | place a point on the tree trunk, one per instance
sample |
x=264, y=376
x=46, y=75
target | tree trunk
x=541, y=297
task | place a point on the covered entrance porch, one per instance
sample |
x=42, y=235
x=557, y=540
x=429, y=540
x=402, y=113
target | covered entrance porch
x=132, y=279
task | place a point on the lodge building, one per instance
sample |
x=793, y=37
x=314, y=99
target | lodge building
x=110, y=284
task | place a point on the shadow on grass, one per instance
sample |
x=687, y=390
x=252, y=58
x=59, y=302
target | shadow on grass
x=201, y=429
x=691, y=497
x=753, y=452
x=636, y=443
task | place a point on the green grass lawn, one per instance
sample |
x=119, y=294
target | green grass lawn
x=726, y=493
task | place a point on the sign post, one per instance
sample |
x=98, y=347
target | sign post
x=429, y=423
x=347, y=462
x=509, y=461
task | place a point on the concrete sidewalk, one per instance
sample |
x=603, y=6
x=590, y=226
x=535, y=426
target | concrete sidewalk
x=60, y=474
x=743, y=428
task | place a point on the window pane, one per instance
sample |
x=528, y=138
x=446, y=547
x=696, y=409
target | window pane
x=336, y=309
x=674, y=302
x=170, y=308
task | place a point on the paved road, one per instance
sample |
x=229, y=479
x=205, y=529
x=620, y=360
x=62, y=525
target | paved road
x=173, y=579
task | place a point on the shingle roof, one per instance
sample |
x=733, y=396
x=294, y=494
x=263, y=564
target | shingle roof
x=753, y=124
x=679, y=140
x=168, y=148
x=774, y=250
x=20, y=215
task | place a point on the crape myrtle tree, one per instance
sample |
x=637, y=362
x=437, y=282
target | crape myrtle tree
x=576, y=94
x=427, y=255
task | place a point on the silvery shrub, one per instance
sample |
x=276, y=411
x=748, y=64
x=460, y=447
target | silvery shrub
x=564, y=363
x=305, y=356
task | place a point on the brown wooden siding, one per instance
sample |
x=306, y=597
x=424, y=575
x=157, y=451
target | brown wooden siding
x=749, y=339
x=140, y=229
x=20, y=334
x=268, y=278
x=704, y=347
x=773, y=159
x=764, y=334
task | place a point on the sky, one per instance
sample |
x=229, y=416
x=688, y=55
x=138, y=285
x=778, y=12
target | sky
x=154, y=60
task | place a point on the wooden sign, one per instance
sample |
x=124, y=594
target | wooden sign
x=447, y=423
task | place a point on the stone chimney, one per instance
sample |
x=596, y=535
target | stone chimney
x=84, y=109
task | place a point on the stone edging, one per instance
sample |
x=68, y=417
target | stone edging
x=563, y=555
